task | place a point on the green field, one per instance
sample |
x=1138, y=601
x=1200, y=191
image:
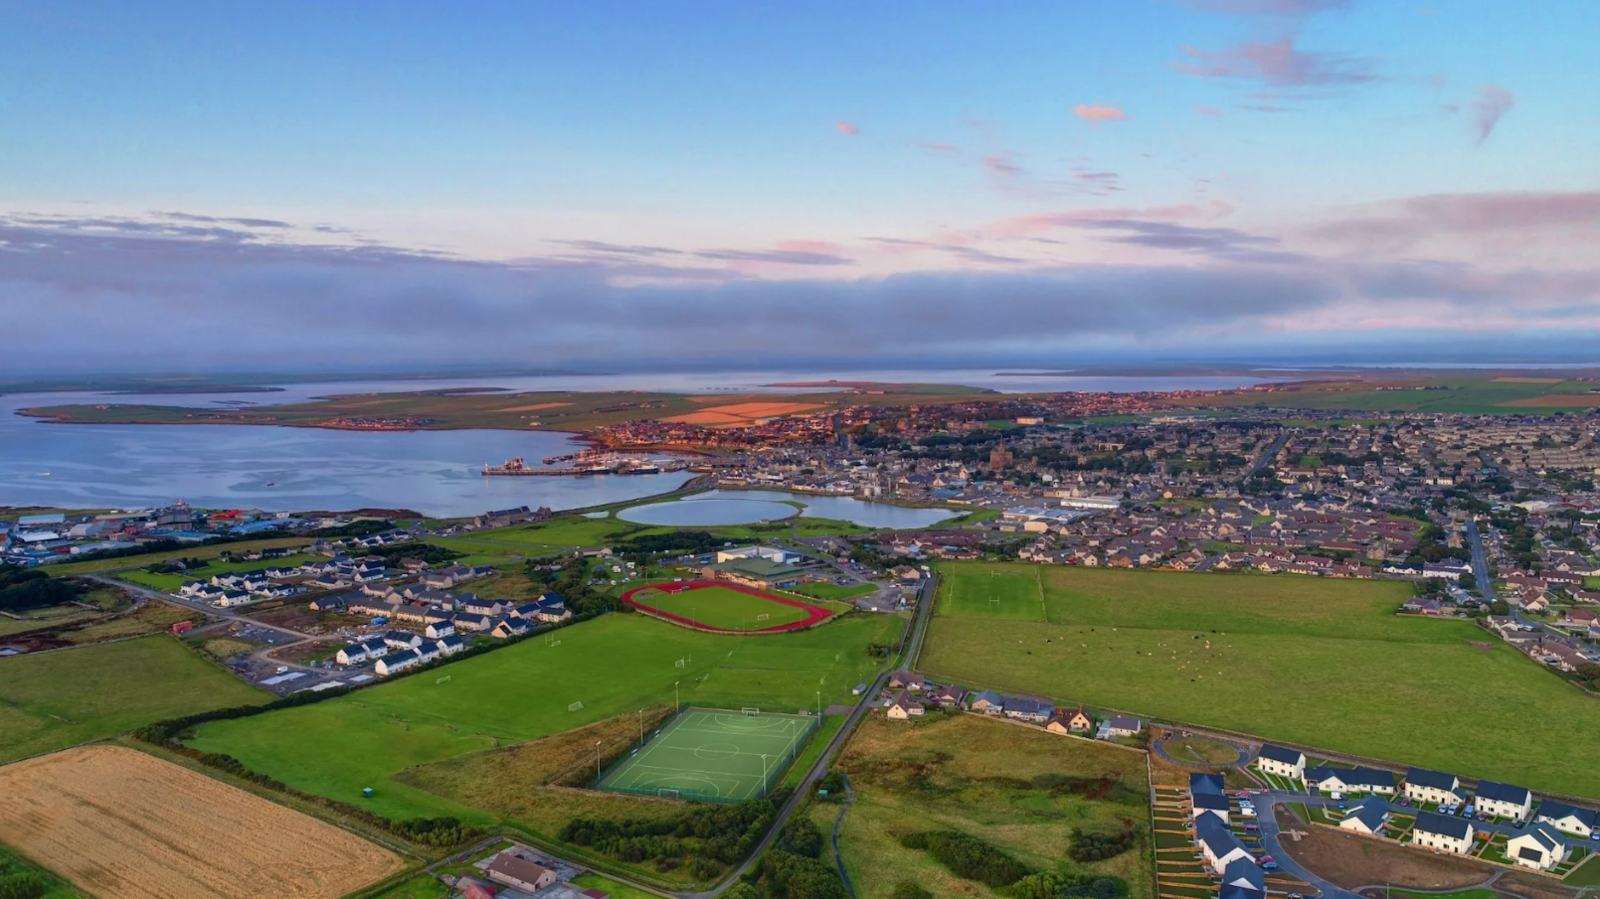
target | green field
x=614, y=664
x=1321, y=662
x=723, y=608
x=211, y=551
x=713, y=754
x=170, y=583
x=1021, y=789
x=833, y=591
x=611, y=887
x=57, y=699
x=992, y=591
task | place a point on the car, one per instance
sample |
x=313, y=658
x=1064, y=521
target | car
x=1405, y=802
x=1341, y=805
x=1265, y=860
x=1269, y=866
x=283, y=669
x=1252, y=828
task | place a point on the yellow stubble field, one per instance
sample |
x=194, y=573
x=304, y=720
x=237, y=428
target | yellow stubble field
x=125, y=825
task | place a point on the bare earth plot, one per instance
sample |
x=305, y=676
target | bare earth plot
x=125, y=825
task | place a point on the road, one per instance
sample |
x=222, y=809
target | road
x=1266, y=457
x=1480, y=570
x=261, y=659
x=919, y=624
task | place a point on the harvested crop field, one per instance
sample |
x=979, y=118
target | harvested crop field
x=125, y=825
x=742, y=413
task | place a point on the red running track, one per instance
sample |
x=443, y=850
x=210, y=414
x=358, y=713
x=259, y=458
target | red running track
x=814, y=614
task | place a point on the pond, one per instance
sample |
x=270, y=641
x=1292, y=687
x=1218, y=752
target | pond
x=727, y=507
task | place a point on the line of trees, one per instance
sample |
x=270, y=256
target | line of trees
x=22, y=589
x=704, y=838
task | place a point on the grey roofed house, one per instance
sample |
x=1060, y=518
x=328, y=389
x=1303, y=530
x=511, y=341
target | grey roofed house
x=1213, y=833
x=1210, y=802
x=1353, y=777
x=1556, y=811
x=1437, y=780
x=1123, y=722
x=1243, y=879
x=1546, y=838
x=1370, y=811
x=1488, y=789
x=1207, y=784
x=1280, y=754
x=1445, y=825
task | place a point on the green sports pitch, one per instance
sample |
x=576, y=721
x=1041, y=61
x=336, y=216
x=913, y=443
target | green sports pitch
x=717, y=755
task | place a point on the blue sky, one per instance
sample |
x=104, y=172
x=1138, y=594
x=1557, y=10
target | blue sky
x=1138, y=177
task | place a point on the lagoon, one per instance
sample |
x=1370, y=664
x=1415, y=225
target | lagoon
x=725, y=507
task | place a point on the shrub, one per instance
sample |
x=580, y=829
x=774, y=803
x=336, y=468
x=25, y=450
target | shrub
x=1093, y=847
x=907, y=889
x=968, y=857
x=1047, y=885
x=22, y=886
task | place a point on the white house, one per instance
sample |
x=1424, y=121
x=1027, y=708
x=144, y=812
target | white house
x=1282, y=762
x=1566, y=818
x=1243, y=879
x=1539, y=848
x=1208, y=795
x=400, y=661
x=1217, y=843
x=1504, y=800
x=439, y=629
x=356, y=653
x=1349, y=780
x=1437, y=787
x=1366, y=816
x=1443, y=833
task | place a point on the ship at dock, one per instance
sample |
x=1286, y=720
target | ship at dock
x=582, y=464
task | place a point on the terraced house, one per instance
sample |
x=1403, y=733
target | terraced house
x=1504, y=800
x=1425, y=786
x=1350, y=780
x=1442, y=832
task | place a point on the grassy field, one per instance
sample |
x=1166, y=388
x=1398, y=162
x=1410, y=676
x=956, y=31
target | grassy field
x=615, y=664
x=724, y=608
x=57, y=699
x=825, y=732
x=616, y=890
x=833, y=591
x=171, y=582
x=1585, y=875
x=423, y=886
x=96, y=566
x=1021, y=789
x=13, y=862
x=50, y=616
x=1474, y=395
x=993, y=591
x=1321, y=662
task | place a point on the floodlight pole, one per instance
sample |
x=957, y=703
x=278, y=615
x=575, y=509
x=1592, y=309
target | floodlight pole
x=675, y=697
x=819, y=703
x=763, y=774
x=641, y=727
x=597, y=760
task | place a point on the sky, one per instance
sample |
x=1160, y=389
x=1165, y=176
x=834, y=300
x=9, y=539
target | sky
x=610, y=185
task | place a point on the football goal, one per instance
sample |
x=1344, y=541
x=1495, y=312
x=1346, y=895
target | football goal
x=752, y=712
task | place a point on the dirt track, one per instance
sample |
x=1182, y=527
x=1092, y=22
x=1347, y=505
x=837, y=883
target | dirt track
x=125, y=825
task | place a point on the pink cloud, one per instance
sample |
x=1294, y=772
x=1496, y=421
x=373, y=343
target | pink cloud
x=1098, y=113
x=1029, y=225
x=1001, y=164
x=847, y=129
x=808, y=246
x=1492, y=104
x=1487, y=219
x=1278, y=63
x=1209, y=111
x=939, y=147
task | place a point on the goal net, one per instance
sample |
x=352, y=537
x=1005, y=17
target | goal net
x=762, y=617
x=667, y=793
x=575, y=707
x=752, y=712
x=442, y=680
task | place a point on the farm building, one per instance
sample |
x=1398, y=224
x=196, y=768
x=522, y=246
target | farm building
x=1539, y=848
x=1504, y=801
x=1283, y=762
x=1437, y=787
x=519, y=874
x=1442, y=832
x=1567, y=818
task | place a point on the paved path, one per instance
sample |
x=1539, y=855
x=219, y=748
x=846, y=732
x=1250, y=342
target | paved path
x=849, y=800
x=1266, y=457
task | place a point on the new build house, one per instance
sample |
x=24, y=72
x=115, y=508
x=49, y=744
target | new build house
x=1442, y=832
x=1208, y=796
x=1366, y=816
x=1350, y=780
x=1504, y=801
x=1290, y=763
x=1424, y=786
x=1539, y=848
x=1217, y=843
x=1567, y=818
